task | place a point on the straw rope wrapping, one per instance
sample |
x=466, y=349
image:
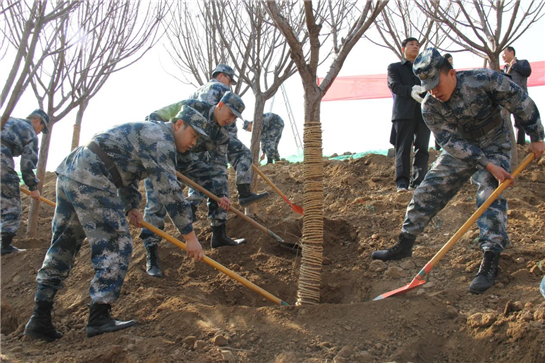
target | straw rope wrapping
x=313, y=225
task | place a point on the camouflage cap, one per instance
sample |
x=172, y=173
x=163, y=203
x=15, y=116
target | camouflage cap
x=224, y=68
x=234, y=102
x=427, y=67
x=41, y=114
x=194, y=119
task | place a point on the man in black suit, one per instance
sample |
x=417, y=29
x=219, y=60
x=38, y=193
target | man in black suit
x=518, y=70
x=408, y=126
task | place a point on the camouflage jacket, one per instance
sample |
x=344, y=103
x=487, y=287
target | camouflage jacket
x=139, y=150
x=20, y=139
x=211, y=93
x=476, y=102
x=270, y=121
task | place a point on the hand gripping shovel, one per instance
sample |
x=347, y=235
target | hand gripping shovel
x=294, y=207
x=206, y=260
x=41, y=198
x=419, y=278
x=281, y=242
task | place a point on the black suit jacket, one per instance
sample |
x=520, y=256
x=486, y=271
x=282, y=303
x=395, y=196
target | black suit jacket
x=401, y=80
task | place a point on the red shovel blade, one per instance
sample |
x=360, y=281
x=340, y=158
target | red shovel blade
x=294, y=207
x=413, y=285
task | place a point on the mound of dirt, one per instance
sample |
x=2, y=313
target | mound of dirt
x=197, y=314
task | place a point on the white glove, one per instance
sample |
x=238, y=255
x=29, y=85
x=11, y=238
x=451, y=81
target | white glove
x=415, y=93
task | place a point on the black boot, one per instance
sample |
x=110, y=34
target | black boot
x=194, y=209
x=152, y=262
x=40, y=326
x=246, y=197
x=269, y=160
x=7, y=248
x=487, y=273
x=219, y=238
x=403, y=248
x=100, y=321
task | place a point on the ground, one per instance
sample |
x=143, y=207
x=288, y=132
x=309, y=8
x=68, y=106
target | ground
x=197, y=314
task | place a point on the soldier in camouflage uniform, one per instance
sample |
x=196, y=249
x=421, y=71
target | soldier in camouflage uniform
x=463, y=110
x=19, y=138
x=222, y=79
x=206, y=165
x=97, y=186
x=271, y=133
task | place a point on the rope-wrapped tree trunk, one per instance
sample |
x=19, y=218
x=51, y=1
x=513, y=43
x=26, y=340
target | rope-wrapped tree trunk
x=313, y=227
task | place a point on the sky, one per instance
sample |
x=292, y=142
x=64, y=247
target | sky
x=348, y=126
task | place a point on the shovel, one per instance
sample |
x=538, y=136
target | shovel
x=294, y=207
x=206, y=260
x=281, y=242
x=47, y=201
x=216, y=265
x=419, y=278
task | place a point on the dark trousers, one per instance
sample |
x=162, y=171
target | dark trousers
x=411, y=132
x=521, y=135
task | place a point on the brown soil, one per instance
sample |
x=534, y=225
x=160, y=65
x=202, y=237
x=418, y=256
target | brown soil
x=197, y=314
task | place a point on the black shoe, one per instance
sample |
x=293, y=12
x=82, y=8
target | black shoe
x=269, y=160
x=152, y=262
x=40, y=326
x=100, y=321
x=488, y=271
x=246, y=197
x=6, y=247
x=10, y=249
x=402, y=188
x=219, y=238
x=402, y=249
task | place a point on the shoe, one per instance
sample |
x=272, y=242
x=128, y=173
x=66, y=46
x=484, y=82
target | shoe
x=6, y=247
x=246, y=197
x=101, y=322
x=402, y=249
x=40, y=326
x=219, y=238
x=488, y=271
x=152, y=262
x=402, y=188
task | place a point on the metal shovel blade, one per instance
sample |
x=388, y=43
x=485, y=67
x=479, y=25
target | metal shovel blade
x=413, y=285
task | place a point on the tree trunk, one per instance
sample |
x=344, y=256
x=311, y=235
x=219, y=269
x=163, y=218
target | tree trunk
x=257, y=126
x=310, y=280
x=77, y=126
x=32, y=226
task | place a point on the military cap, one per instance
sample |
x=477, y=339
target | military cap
x=224, y=68
x=194, y=119
x=234, y=102
x=427, y=67
x=42, y=115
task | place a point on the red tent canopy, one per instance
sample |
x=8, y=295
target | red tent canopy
x=376, y=85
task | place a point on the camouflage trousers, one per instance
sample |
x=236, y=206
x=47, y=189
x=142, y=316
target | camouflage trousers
x=83, y=211
x=197, y=167
x=270, y=139
x=445, y=178
x=238, y=155
x=10, y=203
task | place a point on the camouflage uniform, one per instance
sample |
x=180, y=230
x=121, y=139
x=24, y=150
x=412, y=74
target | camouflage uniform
x=271, y=133
x=18, y=139
x=211, y=93
x=206, y=164
x=472, y=133
x=89, y=204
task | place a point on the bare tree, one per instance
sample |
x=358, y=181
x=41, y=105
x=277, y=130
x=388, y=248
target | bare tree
x=346, y=21
x=111, y=36
x=484, y=27
x=402, y=19
x=116, y=35
x=22, y=29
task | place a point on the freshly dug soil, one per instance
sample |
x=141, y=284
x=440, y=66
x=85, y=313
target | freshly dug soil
x=197, y=314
